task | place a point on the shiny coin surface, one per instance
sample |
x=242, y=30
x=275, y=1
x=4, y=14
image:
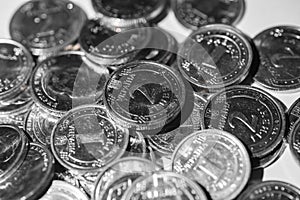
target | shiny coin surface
x=85, y=139
x=65, y=81
x=271, y=190
x=119, y=176
x=293, y=115
x=260, y=126
x=13, y=149
x=279, y=52
x=164, y=186
x=144, y=95
x=32, y=178
x=215, y=56
x=215, y=159
x=47, y=26
x=137, y=145
x=196, y=13
x=106, y=46
x=294, y=141
x=63, y=191
x=16, y=68
x=128, y=13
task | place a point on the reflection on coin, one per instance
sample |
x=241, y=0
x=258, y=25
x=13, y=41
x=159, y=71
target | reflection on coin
x=271, y=190
x=279, y=51
x=215, y=56
x=196, y=13
x=65, y=81
x=63, y=191
x=13, y=149
x=85, y=139
x=294, y=141
x=39, y=125
x=32, y=178
x=215, y=159
x=293, y=114
x=144, y=95
x=47, y=26
x=117, y=177
x=164, y=185
x=137, y=145
x=16, y=67
x=260, y=126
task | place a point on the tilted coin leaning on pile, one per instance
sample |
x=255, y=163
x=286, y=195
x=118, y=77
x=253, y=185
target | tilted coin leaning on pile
x=114, y=107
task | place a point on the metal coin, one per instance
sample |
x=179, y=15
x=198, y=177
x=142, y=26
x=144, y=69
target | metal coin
x=137, y=145
x=63, y=191
x=32, y=178
x=294, y=141
x=47, y=26
x=271, y=190
x=293, y=115
x=279, y=52
x=260, y=126
x=128, y=13
x=85, y=139
x=164, y=185
x=215, y=159
x=65, y=81
x=16, y=68
x=272, y=157
x=13, y=149
x=144, y=95
x=215, y=56
x=196, y=13
x=118, y=177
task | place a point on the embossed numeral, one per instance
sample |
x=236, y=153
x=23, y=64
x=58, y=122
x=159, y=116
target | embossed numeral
x=251, y=125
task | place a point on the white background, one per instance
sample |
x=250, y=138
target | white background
x=259, y=15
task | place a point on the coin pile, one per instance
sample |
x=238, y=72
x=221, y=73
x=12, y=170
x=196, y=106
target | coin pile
x=114, y=107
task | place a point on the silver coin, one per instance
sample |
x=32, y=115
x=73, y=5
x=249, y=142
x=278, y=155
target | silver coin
x=65, y=81
x=16, y=68
x=63, y=191
x=13, y=149
x=137, y=145
x=47, y=26
x=215, y=159
x=85, y=139
x=32, y=178
x=164, y=185
x=215, y=56
x=117, y=177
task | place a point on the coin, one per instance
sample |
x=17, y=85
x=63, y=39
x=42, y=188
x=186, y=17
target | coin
x=63, y=191
x=215, y=159
x=128, y=13
x=117, y=177
x=32, y=178
x=215, y=56
x=279, y=52
x=194, y=13
x=47, y=26
x=272, y=157
x=13, y=149
x=293, y=114
x=65, y=81
x=260, y=126
x=144, y=95
x=164, y=185
x=294, y=141
x=106, y=46
x=137, y=145
x=275, y=190
x=85, y=139
x=16, y=68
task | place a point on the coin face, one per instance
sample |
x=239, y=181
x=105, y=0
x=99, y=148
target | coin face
x=279, y=52
x=294, y=141
x=293, y=115
x=13, y=149
x=260, y=126
x=65, y=81
x=215, y=56
x=144, y=95
x=85, y=139
x=119, y=176
x=47, y=26
x=215, y=159
x=271, y=190
x=165, y=186
x=16, y=67
x=63, y=191
x=32, y=178
x=196, y=13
